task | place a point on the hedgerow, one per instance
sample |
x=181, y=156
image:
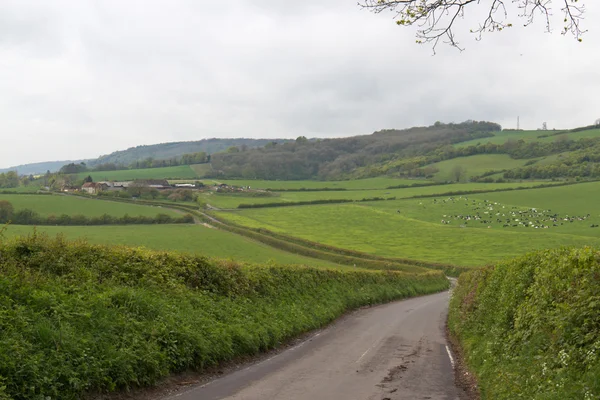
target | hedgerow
x=78, y=319
x=26, y=216
x=531, y=327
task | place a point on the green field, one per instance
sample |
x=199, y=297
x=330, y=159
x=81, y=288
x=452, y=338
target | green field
x=573, y=200
x=475, y=165
x=196, y=239
x=91, y=207
x=23, y=189
x=356, y=184
x=233, y=200
x=530, y=136
x=181, y=172
x=430, y=229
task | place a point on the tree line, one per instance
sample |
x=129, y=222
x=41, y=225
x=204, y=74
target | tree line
x=9, y=180
x=584, y=163
x=26, y=216
x=148, y=162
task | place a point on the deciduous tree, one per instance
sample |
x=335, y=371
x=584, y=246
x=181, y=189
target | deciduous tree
x=458, y=172
x=6, y=211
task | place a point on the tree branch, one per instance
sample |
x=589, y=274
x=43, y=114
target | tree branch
x=435, y=19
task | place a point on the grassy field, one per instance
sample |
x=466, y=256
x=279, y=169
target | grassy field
x=371, y=230
x=475, y=165
x=233, y=200
x=504, y=136
x=356, y=184
x=430, y=229
x=23, y=189
x=195, y=239
x=181, y=171
x=58, y=204
x=530, y=136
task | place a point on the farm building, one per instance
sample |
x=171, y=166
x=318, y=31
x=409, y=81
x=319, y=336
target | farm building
x=152, y=183
x=93, y=188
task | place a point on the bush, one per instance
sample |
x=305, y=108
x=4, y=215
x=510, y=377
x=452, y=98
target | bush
x=78, y=318
x=531, y=327
x=6, y=211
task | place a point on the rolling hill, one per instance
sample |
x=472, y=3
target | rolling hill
x=138, y=153
x=176, y=149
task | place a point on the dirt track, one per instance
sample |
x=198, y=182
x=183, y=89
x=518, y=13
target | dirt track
x=390, y=352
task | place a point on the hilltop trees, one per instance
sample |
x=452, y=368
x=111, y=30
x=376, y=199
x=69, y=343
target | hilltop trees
x=340, y=158
x=436, y=19
x=9, y=179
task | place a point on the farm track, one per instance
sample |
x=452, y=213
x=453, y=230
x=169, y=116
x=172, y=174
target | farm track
x=395, y=351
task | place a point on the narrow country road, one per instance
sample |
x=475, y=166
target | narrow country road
x=389, y=352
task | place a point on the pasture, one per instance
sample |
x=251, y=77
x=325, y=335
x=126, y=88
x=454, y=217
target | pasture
x=531, y=136
x=196, y=239
x=46, y=205
x=178, y=172
x=572, y=200
x=475, y=166
x=430, y=229
x=504, y=136
x=229, y=201
x=31, y=188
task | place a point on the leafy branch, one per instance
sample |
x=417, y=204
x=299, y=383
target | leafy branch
x=436, y=19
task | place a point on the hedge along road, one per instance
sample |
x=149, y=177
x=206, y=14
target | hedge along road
x=395, y=351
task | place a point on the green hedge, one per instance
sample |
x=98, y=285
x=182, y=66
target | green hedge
x=531, y=327
x=26, y=216
x=78, y=319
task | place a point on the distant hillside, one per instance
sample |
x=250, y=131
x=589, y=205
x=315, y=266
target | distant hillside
x=176, y=149
x=156, y=151
x=341, y=158
x=40, y=168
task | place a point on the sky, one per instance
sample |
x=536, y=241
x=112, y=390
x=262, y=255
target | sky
x=83, y=78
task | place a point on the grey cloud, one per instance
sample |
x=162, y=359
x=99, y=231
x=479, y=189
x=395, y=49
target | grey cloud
x=79, y=79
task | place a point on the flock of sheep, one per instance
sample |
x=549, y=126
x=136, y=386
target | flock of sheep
x=488, y=213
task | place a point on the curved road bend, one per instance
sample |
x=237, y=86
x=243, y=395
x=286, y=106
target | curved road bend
x=389, y=352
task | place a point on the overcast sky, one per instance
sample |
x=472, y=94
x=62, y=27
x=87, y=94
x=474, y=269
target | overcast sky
x=83, y=78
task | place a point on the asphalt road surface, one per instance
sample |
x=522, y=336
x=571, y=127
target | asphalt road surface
x=389, y=352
